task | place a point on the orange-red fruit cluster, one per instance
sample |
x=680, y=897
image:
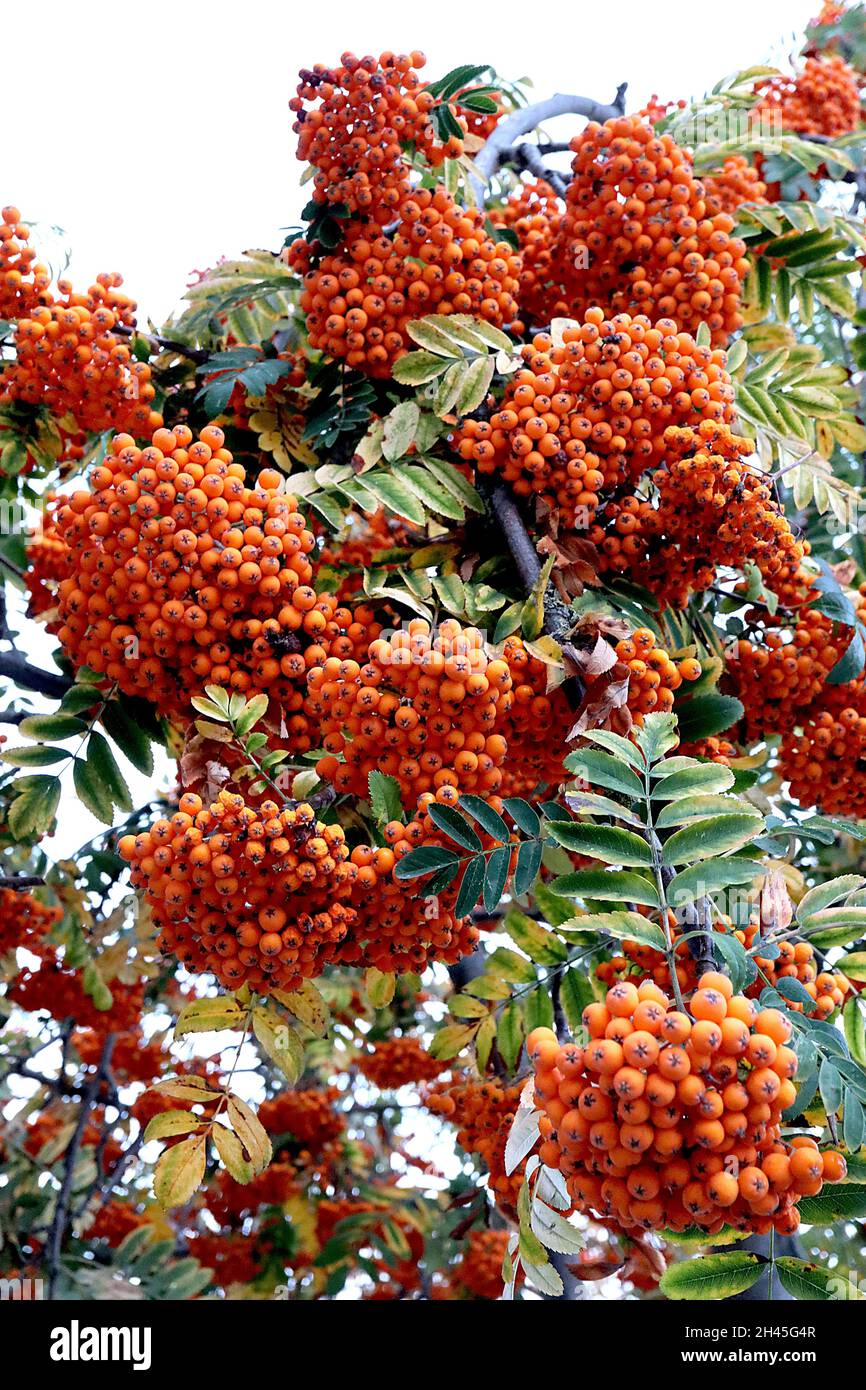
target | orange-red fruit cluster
x=71, y=360
x=824, y=760
x=439, y=259
x=398, y=1061
x=307, y=1115
x=182, y=575
x=823, y=99
x=667, y=1119
x=60, y=993
x=24, y=920
x=590, y=415
x=483, y=1112
x=710, y=510
x=353, y=122
x=638, y=234
x=423, y=708
x=23, y=282
x=252, y=895
x=737, y=182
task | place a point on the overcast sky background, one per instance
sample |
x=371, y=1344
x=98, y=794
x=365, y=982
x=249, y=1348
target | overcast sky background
x=159, y=138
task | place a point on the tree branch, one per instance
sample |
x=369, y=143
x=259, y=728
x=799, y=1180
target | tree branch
x=61, y=1211
x=165, y=344
x=19, y=882
x=529, y=118
x=29, y=677
x=558, y=617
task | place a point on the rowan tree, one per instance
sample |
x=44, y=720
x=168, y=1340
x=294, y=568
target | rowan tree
x=476, y=586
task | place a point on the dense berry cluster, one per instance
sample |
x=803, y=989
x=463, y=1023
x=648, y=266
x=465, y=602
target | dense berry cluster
x=114, y=1221
x=183, y=575
x=423, y=708
x=590, y=416
x=59, y=991
x=534, y=214
x=253, y=895
x=398, y=1061
x=823, y=99
x=709, y=509
x=737, y=182
x=638, y=235
x=132, y=1059
x=439, y=259
x=23, y=281
x=779, y=677
x=306, y=1115
x=483, y=1112
x=353, y=122
x=70, y=359
x=668, y=1120
x=477, y=1273
x=825, y=759
x=24, y=920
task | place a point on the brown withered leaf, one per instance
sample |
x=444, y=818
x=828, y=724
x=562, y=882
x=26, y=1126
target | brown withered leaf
x=596, y=660
x=604, y=700
x=845, y=572
x=574, y=565
x=200, y=762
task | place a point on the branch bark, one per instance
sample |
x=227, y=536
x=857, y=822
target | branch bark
x=529, y=118
x=60, y=1219
x=29, y=677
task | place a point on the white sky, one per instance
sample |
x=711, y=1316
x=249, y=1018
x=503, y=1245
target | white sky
x=158, y=138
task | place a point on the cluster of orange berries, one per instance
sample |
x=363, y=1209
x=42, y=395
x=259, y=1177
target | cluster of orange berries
x=667, y=1119
x=249, y=894
x=24, y=920
x=398, y=1061
x=638, y=235
x=534, y=213
x=591, y=415
x=823, y=99
x=423, y=708
x=59, y=992
x=70, y=359
x=394, y=931
x=182, y=575
x=48, y=562
x=779, y=678
x=795, y=960
x=60, y=1120
x=307, y=1115
x=737, y=182
x=826, y=759
x=483, y=1112
x=439, y=259
x=228, y=1199
x=478, y=1271
x=368, y=110
x=132, y=1059
x=711, y=510
x=653, y=675
x=114, y=1221
x=23, y=281
x=234, y=1258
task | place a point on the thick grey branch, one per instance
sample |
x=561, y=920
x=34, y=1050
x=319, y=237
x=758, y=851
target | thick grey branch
x=529, y=118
